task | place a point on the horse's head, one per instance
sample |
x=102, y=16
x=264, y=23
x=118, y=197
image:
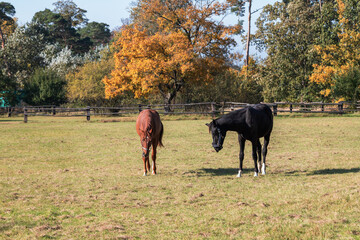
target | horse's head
x=146, y=144
x=218, y=135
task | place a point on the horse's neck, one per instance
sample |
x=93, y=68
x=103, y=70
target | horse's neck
x=231, y=123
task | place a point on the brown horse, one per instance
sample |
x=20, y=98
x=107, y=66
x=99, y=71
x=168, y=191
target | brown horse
x=150, y=129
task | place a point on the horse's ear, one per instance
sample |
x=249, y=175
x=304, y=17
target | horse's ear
x=207, y=124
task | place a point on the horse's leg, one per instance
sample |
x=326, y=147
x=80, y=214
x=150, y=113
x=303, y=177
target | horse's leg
x=153, y=156
x=264, y=152
x=145, y=161
x=148, y=163
x=241, y=154
x=254, y=155
x=259, y=154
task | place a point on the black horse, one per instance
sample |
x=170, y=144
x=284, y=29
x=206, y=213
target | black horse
x=251, y=123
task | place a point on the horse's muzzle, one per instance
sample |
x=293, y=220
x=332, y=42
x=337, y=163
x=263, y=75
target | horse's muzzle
x=145, y=154
x=217, y=148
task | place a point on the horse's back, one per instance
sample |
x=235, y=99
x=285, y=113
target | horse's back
x=261, y=118
x=264, y=109
x=148, y=119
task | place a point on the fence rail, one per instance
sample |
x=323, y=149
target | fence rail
x=206, y=108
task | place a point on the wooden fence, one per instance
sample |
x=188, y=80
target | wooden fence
x=206, y=108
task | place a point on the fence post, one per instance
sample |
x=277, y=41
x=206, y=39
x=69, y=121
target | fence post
x=88, y=113
x=9, y=111
x=53, y=111
x=341, y=107
x=291, y=108
x=275, y=109
x=322, y=107
x=213, y=110
x=167, y=108
x=25, y=115
x=140, y=108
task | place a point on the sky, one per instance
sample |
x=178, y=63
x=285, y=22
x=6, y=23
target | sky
x=112, y=11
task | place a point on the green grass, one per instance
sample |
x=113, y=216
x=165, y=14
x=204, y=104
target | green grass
x=65, y=178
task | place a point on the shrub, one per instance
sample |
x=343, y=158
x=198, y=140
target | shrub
x=45, y=87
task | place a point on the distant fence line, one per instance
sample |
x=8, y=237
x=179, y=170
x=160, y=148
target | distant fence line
x=206, y=108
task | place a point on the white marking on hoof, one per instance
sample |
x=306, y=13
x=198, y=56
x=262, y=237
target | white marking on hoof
x=144, y=174
x=255, y=174
x=239, y=174
x=153, y=173
x=263, y=172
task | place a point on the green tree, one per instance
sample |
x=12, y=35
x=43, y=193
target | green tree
x=8, y=90
x=71, y=12
x=288, y=30
x=58, y=29
x=45, y=87
x=347, y=85
x=98, y=33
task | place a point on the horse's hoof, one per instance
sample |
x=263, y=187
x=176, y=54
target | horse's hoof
x=263, y=172
x=144, y=174
x=239, y=174
x=255, y=174
x=153, y=173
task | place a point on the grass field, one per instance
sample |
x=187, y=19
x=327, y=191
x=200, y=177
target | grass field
x=65, y=178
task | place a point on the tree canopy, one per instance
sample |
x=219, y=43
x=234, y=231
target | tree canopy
x=169, y=44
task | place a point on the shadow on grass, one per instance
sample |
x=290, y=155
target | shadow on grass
x=225, y=171
x=334, y=171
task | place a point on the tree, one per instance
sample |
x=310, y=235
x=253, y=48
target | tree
x=169, y=44
x=71, y=12
x=347, y=85
x=6, y=11
x=85, y=85
x=288, y=31
x=98, y=33
x=60, y=60
x=8, y=88
x=58, y=29
x=22, y=53
x=45, y=87
x=62, y=25
x=340, y=61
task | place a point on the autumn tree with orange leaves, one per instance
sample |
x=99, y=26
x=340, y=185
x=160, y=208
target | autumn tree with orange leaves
x=169, y=44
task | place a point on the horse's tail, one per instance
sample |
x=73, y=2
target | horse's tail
x=161, y=135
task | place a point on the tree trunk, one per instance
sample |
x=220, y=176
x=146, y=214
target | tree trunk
x=168, y=97
x=248, y=35
x=2, y=39
x=168, y=92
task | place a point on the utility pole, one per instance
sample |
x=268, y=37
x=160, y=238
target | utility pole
x=248, y=35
